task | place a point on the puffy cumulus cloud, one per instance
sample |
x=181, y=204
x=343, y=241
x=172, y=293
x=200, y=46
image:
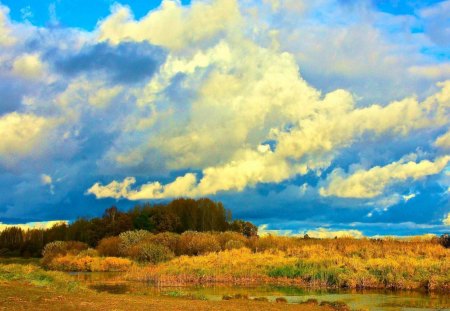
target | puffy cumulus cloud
x=28, y=66
x=319, y=127
x=22, y=135
x=371, y=183
x=171, y=25
x=33, y=225
x=114, y=190
x=182, y=186
x=6, y=37
x=325, y=233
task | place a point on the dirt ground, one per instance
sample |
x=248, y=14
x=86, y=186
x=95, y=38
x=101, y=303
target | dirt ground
x=22, y=296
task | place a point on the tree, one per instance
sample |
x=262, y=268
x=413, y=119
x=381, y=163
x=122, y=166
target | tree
x=244, y=227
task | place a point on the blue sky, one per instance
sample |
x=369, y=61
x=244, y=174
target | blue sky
x=327, y=117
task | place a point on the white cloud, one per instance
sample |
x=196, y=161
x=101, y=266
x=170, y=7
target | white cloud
x=171, y=25
x=371, y=183
x=28, y=66
x=114, y=190
x=22, y=135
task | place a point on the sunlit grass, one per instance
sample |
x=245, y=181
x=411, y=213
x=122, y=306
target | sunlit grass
x=33, y=274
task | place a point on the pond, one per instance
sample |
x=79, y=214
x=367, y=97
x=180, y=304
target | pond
x=377, y=300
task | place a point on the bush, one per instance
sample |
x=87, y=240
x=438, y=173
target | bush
x=168, y=239
x=88, y=252
x=150, y=252
x=224, y=237
x=197, y=243
x=109, y=246
x=61, y=248
x=131, y=238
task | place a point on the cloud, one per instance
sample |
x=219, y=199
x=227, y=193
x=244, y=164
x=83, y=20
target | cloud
x=22, y=135
x=446, y=220
x=124, y=63
x=443, y=141
x=171, y=25
x=318, y=131
x=439, y=71
x=6, y=38
x=28, y=66
x=46, y=179
x=103, y=97
x=436, y=22
x=371, y=183
x=114, y=189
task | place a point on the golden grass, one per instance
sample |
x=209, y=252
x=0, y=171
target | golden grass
x=88, y=263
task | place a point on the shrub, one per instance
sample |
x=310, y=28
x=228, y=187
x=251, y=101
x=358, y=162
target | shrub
x=168, y=239
x=88, y=252
x=224, y=237
x=150, y=252
x=61, y=248
x=130, y=238
x=197, y=243
x=109, y=246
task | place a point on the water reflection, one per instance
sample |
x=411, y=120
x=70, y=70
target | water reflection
x=356, y=299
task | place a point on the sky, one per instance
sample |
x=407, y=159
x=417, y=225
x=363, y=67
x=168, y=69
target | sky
x=326, y=117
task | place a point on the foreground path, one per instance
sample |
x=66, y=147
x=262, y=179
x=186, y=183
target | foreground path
x=20, y=296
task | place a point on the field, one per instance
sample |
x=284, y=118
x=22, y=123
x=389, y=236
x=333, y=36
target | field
x=219, y=258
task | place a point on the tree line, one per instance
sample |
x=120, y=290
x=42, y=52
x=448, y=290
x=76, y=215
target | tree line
x=178, y=216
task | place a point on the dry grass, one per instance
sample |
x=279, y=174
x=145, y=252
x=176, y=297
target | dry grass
x=348, y=263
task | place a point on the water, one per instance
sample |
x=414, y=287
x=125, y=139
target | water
x=376, y=300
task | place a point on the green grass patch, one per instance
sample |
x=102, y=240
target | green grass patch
x=309, y=272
